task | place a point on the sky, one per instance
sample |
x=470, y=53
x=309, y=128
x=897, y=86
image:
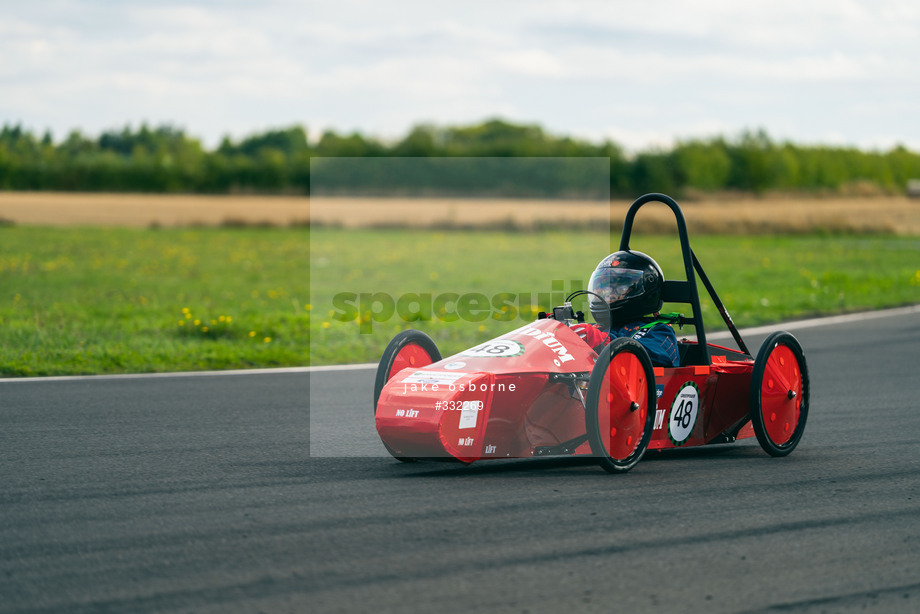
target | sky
x=642, y=73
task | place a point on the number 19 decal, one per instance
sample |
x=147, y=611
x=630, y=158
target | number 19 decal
x=684, y=411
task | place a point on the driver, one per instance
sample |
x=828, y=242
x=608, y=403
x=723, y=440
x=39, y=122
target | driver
x=630, y=285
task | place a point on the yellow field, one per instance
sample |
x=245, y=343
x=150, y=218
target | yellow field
x=90, y=209
x=743, y=215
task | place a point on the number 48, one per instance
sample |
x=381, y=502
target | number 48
x=684, y=413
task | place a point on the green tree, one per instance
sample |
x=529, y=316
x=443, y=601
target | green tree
x=702, y=165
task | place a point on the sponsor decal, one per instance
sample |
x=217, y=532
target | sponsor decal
x=550, y=341
x=660, y=390
x=432, y=377
x=469, y=411
x=490, y=449
x=407, y=413
x=659, y=418
x=640, y=333
x=684, y=411
x=455, y=365
x=465, y=441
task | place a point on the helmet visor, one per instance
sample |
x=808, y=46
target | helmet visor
x=614, y=285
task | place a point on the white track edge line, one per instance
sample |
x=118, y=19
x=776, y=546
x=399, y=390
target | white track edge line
x=792, y=325
x=278, y=370
x=825, y=321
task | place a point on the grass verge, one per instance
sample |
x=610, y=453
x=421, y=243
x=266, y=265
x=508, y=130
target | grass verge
x=120, y=300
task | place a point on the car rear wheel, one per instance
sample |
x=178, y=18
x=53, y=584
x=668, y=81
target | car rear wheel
x=620, y=405
x=779, y=394
x=410, y=348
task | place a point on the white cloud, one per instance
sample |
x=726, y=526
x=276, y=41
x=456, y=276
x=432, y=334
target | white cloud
x=642, y=73
x=533, y=62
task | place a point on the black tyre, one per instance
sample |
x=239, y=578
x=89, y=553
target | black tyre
x=410, y=348
x=620, y=406
x=779, y=394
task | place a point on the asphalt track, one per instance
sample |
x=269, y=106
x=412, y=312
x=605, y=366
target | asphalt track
x=197, y=494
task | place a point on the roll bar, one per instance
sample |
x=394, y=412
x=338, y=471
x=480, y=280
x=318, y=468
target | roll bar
x=675, y=291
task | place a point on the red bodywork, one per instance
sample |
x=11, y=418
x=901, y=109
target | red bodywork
x=499, y=400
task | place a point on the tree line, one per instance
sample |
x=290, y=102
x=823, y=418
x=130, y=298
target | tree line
x=166, y=159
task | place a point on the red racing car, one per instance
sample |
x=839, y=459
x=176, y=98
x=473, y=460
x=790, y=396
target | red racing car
x=540, y=390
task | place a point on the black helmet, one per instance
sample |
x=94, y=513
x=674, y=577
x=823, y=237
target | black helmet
x=630, y=285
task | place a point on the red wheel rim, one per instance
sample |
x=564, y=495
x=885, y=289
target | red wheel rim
x=410, y=355
x=624, y=387
x=781, y=395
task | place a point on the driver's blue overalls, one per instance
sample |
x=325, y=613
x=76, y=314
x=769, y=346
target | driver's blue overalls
x=657, y=338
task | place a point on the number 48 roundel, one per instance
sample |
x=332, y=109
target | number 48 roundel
x=497, y=348
x=684, y=410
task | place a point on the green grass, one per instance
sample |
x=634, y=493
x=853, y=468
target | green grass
x=95, y=300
